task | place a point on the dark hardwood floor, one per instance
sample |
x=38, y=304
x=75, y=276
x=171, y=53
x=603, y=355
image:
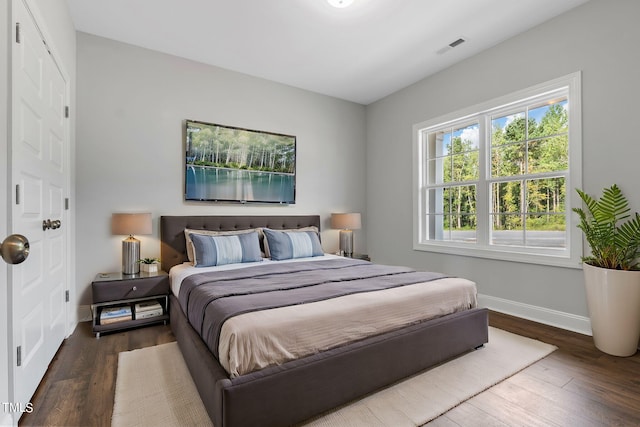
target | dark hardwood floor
x=79, y=387
x=577, y=385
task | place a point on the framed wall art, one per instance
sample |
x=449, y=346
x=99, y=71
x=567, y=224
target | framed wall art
x=230, y=164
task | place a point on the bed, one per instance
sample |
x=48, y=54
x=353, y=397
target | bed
x=291, y=391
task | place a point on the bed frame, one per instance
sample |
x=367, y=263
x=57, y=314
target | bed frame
x=301, y=389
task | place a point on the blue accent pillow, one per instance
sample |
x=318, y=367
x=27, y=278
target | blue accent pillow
x=292, y=244
x=219, y=250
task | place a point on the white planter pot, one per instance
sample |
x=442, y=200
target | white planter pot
x=613, y=298
x=149, y=268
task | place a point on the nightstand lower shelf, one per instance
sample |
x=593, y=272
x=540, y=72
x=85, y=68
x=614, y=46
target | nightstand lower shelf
x=133, y=322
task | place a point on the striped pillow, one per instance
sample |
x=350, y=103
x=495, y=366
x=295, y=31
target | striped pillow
x=292, y=244
x=219, y=250
x=265, y=243
x=189, y=231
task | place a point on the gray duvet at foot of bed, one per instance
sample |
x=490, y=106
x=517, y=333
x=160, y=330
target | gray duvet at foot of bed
x=297, y=390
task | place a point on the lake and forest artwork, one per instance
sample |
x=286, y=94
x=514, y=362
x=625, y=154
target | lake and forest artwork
x=225, y=163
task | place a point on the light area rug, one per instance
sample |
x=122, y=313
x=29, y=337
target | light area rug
x=154, y=387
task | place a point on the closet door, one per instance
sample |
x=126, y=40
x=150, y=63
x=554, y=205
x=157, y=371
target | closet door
x=39, y=174
x=5, y=202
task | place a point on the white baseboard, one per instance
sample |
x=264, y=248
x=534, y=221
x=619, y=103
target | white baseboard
x=559, y=319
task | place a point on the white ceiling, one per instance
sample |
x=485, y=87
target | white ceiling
x=361, y=53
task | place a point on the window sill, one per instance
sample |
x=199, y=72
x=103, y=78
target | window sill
x=512, y=254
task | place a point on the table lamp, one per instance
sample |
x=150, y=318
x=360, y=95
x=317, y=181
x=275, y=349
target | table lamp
x=130, y=224
x=346, y=223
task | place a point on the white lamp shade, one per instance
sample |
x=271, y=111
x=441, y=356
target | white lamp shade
x=346, y=221
x=131, y=223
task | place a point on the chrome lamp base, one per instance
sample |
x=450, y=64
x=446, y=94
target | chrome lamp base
x=346, y=242
x=130, y=255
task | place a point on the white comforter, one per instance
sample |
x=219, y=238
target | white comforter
x=255, y=340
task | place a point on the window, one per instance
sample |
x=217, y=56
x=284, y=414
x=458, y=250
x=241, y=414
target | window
x=497, y=180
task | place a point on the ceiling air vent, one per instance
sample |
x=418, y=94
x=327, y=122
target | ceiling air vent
x=456, y=43
x=451, y=46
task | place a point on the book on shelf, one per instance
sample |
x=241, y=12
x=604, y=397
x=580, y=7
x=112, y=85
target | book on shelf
x=115, y=311
x=110, y=320
x=147, y=314
x=152, y=305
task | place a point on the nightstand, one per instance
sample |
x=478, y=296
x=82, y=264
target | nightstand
x=359, y=256
x=114, y=292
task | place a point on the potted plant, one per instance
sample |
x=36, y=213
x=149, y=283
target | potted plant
x=149, y=265
x=612, y=270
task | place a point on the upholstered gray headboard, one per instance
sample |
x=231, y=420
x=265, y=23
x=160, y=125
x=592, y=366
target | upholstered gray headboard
x=173, y=248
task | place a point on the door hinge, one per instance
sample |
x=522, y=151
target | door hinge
x=66, y=204
x=66, y=296
x=66, y=112
x=19, y=355
x=17, y=194
x=18, y=32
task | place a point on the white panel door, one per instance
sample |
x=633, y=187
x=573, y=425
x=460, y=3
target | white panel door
x=39, y=173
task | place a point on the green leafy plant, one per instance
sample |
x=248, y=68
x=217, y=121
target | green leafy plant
x=611, y=231
x=148, y=260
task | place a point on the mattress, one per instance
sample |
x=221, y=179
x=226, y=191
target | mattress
x=257, y=339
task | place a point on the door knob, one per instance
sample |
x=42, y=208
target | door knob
x=14, y=249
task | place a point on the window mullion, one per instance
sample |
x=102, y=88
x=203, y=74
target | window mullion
x=483, y=192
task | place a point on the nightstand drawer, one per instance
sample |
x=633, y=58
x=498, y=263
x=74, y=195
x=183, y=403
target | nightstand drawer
x=106, y=288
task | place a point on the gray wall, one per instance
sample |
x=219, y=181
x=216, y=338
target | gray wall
x=600, y=38
x=132, y=101
x=131, y=107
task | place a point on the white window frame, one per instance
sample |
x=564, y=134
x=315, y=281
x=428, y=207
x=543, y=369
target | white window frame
x=571, y=255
